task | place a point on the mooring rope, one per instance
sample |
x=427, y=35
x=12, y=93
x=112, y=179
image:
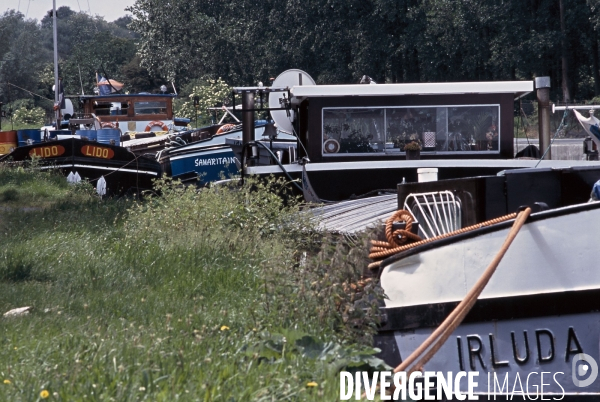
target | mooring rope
x=393, y=245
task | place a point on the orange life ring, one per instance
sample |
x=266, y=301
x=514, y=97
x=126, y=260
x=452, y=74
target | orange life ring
x=156, y=123
x=109, y=125
x=225, y=128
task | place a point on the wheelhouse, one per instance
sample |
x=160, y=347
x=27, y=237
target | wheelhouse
x=135, y=111
x=375, y=122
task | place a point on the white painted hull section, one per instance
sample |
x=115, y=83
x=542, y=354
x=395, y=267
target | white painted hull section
x=548, y=255
x=551, y=350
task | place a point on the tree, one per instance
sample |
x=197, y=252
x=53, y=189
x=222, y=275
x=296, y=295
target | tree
x=21, y=56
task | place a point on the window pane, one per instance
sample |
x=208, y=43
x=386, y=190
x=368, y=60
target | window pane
x=411, y=124
x=150, y=107
x=389, y=130
x=102, y=108
x=353, y=130
x=472, y=128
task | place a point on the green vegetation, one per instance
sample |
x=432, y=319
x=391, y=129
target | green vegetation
x=389, y=40
x=217, y=295
x=335, y=42
x=209, y=92
x=86, y=45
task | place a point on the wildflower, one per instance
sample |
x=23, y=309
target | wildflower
x=312, y=384
x=142, y=389
x=44, y=394
x=224, y=328
x=7, y=381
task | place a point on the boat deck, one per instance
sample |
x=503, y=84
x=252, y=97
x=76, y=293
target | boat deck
x=353, y=216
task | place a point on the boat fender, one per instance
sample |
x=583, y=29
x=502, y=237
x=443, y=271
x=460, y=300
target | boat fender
x=331, y=146
x=225, y=128
x=156, y=123
x=595, y=195
x=109, y=125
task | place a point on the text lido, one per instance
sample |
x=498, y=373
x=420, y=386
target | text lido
x=48, y=151
x=97, y=152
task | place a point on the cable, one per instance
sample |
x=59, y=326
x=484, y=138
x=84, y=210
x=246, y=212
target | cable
x=23, y=89
x=276, y=160
x=299, y=141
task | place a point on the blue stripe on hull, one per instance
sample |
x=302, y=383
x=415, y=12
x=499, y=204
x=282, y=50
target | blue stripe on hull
x=210, y=167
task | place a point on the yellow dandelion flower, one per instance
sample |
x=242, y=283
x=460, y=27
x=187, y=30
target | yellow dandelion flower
x=312, y=384
x=7, y=381
x=224, y=328
x=44, y=394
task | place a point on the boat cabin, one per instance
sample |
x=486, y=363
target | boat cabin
x=356, y=137
x=461, y=120
x=131, y=113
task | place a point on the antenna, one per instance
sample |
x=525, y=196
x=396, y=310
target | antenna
x=80, y=81
x=289, y=78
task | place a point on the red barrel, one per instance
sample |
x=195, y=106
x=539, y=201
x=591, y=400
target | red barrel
x=8, y=141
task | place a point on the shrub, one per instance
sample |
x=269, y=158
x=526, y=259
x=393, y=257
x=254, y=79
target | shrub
x=33, y=117
x=211, y=93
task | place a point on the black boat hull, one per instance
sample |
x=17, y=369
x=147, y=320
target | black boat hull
x=341, y=181
x=122, y=170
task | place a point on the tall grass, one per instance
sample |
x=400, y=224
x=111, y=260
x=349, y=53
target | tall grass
x=225, y=294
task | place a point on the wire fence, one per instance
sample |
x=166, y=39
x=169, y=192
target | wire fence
x=526, y=122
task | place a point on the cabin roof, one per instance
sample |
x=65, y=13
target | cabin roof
x=519, y=88
x=115, y=95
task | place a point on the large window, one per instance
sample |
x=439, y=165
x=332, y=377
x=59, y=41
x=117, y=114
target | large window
x=387, y=130
x=150, y=107
x=110, y=108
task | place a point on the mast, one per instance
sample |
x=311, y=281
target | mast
x=56, y=87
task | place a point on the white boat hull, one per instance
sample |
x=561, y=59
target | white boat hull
x=545, y=292
x=549, y=255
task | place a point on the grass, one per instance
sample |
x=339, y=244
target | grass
x=218, y=295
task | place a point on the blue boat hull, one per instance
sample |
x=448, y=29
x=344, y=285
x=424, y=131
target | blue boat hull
x=209, y=160
x=208, y=165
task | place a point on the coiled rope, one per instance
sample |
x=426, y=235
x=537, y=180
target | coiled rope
x=437, y=339
x=396, y=240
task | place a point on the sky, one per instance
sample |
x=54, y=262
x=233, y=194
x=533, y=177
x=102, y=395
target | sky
x=109, y=9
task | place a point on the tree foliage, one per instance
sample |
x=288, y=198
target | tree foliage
x=21, y=54
x=210, y=93
x=86, y=45
x=335, y=41
x=390, y=40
